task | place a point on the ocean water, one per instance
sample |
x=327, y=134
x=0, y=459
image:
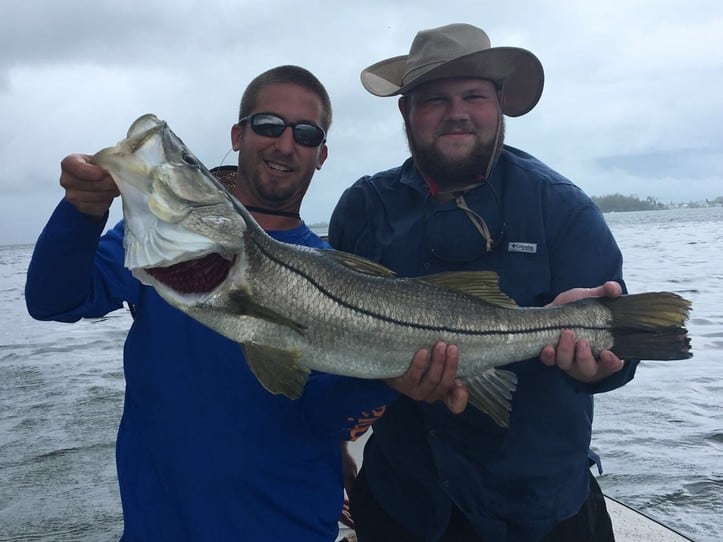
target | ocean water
x=660, y=437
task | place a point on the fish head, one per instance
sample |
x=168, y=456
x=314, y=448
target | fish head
x=177, y=214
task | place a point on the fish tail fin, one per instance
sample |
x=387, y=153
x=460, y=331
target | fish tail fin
x=650, y=326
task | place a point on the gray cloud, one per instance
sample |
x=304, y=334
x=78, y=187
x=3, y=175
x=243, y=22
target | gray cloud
x=630, y=102
x=693, y=163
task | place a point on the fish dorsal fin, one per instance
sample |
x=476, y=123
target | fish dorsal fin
x=491, y=392
x=357, y=263
x=241, y=303
x=277, y=370
x=480, y=284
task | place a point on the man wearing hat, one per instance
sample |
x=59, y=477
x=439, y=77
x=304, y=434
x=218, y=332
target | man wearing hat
x=465, y=201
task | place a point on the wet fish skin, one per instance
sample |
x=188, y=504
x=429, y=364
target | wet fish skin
x=297, y=309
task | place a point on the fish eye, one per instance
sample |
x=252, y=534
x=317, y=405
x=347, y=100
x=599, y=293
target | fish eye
x=190, y=159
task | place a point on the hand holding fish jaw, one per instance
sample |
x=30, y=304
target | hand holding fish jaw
x=89, y=188
x=433, y=377
x=576, y=357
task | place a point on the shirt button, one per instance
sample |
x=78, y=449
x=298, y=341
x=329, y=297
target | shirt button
x=432, y=433
x=445, y=484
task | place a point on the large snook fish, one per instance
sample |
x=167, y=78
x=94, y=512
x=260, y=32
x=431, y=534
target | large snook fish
x=295, y=309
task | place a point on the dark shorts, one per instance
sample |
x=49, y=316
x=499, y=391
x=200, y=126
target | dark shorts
x=372, y=524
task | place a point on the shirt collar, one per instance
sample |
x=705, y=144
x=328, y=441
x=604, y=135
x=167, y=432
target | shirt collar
x=413, y=178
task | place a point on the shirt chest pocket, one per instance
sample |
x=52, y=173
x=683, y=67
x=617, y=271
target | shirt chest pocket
x=524, y=271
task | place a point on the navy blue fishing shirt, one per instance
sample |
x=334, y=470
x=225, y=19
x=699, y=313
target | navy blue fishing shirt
x=511, y=484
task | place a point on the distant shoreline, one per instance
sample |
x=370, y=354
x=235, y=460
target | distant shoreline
x=620, y=204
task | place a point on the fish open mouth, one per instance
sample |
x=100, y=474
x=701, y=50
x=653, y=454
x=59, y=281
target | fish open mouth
x=194, y=276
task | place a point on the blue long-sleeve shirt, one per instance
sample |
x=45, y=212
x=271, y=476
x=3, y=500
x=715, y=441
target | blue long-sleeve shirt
x=204, y=452
x=511, y=484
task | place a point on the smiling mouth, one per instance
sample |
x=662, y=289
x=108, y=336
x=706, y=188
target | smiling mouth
x=278, y=167
x=456, y=133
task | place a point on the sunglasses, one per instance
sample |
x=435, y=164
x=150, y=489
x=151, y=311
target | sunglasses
x=305, y=133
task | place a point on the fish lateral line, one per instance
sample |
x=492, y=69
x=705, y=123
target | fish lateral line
x=416, y=326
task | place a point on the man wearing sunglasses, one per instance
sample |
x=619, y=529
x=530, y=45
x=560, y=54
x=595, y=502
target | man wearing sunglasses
x=203, y=451
x=465, y=201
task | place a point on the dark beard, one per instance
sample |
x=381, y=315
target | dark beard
x=448, y=173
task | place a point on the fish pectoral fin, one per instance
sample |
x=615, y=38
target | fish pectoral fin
x=491, y=392
x=357, y=263
x=277, y=370
x=480, y=284
x=241, y=303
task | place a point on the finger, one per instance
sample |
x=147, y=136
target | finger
x=597, y=291
x=612, y=289
x=547, y=355
x=78, y=174
x=610, y=363
x=75, y=164
x=435, y=370
x=607, y=289
x=80, y=167
x=565, y=351
x=101, y=184
x=457, y=397
x=449, y=372
x=586, y=366
x=418, y=367
x=346, y=518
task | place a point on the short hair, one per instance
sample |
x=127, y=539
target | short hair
x=288, y=74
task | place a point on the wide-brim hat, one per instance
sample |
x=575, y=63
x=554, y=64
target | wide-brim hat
x=460, y=50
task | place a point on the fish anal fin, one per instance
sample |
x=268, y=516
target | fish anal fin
x=480, y=284
x=491, y=392
x=359, y=264
x=277, y=370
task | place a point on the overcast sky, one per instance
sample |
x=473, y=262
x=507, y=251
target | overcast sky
x=632, y=99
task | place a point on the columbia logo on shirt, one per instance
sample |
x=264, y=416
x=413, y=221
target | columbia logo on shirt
x=528, y=248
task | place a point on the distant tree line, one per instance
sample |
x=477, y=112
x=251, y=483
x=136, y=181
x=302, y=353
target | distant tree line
x=616, y=203
x=619, y=203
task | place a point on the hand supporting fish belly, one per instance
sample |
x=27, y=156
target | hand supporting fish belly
x=296, y=309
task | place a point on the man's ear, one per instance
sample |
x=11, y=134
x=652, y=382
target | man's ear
x=402, y=105
x=236, y=136
x=321, y=158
